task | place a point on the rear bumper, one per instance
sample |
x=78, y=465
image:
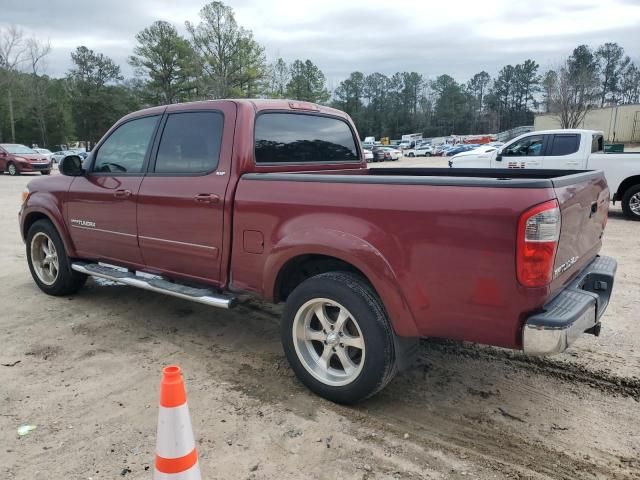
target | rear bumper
x=574, y=311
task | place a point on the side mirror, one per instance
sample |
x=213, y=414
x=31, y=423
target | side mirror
x=499, y=156
x=71, y=166
x=3, y=154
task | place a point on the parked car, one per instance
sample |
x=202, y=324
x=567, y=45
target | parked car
x=425, y=150
x=440, y=150
x=273, y=198
x=16, y=159
x=456, y=149
x=56, y=157
x=43, y=151
x=482, y=151
x=568, y=150
x=380, y=154
x=394, y=153
x=368, y=155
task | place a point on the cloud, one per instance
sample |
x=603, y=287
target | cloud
x=456, y=37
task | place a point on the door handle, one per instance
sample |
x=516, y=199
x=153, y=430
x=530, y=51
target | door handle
x=207, y=198
x=122, y=193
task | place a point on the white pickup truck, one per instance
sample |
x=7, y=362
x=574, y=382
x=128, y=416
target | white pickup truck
x=566, y=150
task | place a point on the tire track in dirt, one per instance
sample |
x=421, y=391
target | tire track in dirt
x=566, y=371
x=510, y=449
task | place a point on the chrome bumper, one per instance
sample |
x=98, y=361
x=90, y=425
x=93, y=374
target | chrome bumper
x=576, y=310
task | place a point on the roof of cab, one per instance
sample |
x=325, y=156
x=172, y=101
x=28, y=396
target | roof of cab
x=567, y=130
x=257, y=104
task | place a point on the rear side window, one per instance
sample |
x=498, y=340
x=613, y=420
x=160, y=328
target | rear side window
x=190, y=143
x=597, y=144
x=564, y=145
x=298, y=138
x=125, y=149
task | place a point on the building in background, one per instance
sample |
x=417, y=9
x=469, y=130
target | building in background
x=620, y=124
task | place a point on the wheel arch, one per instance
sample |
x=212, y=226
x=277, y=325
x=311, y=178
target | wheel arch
x=32, y=215
x=294, y=259
x=626, y=184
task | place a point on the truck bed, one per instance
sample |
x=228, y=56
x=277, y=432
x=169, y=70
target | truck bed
x=443, y=241
x=469, y=177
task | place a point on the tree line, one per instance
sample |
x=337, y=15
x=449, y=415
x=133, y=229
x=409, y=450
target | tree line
x=221, y=59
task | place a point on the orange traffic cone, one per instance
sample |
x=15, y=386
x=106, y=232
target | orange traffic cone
x=176, y=456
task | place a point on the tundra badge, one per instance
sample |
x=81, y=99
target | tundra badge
x=565, y=266
x=83, y=223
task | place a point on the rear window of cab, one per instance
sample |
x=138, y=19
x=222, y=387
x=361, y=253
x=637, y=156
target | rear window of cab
x=303, y=138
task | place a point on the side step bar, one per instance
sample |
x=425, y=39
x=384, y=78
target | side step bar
x=159, y=285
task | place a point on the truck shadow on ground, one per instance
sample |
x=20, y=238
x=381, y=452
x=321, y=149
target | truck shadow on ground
x=618, y=214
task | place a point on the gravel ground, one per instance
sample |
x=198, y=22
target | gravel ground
x=85, y=370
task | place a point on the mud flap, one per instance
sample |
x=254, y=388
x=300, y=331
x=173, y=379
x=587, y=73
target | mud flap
x=407, y=349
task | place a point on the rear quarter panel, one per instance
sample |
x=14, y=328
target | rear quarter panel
x=442, y=258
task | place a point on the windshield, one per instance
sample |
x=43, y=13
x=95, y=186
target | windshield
x=17, y=149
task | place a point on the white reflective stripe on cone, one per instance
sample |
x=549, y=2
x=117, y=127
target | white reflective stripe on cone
x=175, y=435
x=192, y=474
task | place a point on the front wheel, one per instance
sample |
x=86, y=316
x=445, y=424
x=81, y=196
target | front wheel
x=631, y=203
x=411, y=154
x=337, y=337
x=48, y=262
x=13, y=170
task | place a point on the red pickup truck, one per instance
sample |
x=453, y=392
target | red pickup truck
x=210, y=200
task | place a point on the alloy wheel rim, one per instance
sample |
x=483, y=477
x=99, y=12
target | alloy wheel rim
x=634, y=203
x=44, y=258
x=328, y=341
x=12, y=169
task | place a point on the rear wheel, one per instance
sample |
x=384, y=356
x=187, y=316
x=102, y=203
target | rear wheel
x=12, y=169
x=427, y=154
x=48, y=262
x=631, y=203
x=337, y=337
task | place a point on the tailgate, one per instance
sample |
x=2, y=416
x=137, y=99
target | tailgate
x=584, y=207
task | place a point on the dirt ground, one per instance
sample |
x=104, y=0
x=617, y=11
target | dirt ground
x=85, y=371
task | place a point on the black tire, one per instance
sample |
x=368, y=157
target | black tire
x=427, y=154
x=631, y=193
x=68, y=281
x=357, y=296
x=45, y=172
x=12, y=169
x=411, y=154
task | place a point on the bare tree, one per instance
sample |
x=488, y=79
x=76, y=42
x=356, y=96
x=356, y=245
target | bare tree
x=576, y=88
x=37, y=51
x=12, y=55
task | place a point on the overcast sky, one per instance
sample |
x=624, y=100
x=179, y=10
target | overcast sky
x=457, y=37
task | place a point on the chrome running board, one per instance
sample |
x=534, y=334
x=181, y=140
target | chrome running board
x=156, y=284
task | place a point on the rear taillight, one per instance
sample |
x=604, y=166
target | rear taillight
x=538, y=235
